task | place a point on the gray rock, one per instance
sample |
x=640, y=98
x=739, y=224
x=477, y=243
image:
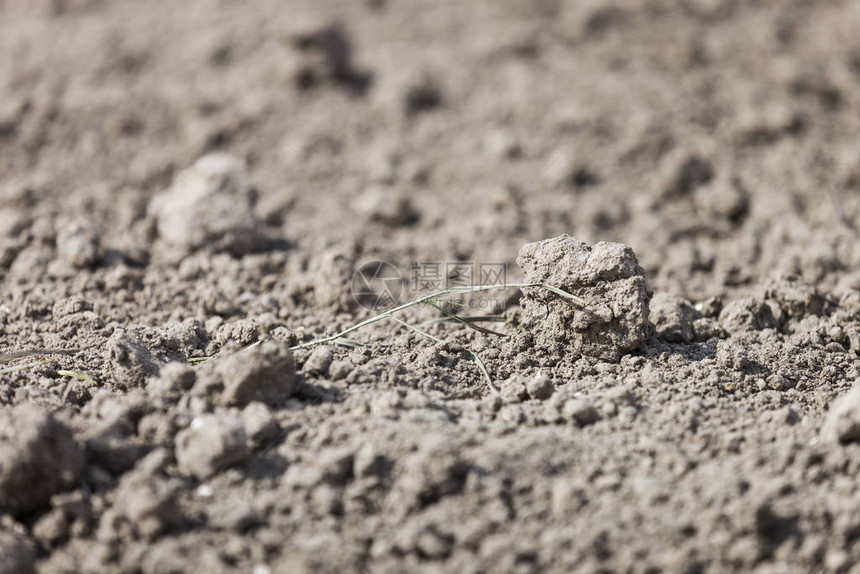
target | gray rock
x=16, y=556
x=607, y=276
x=38, y=458
x=209, y=205
x=210, y=444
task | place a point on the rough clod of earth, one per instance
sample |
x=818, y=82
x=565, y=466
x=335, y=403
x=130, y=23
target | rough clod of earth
x=16, y=556
x=146, y=502
x=540, y=387
x=264, y=373
x=748, y=314
x=842, y=424
x=130, y=361
x=211, y=443
x=319, y=362
x=326, y=57
x=613, y=319
x=209, y=205
x=39, y=457
x=674, y=318
x=78, y=243
x=333, y=279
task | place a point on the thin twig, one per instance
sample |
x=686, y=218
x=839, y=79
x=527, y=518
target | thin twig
x=417, y=330
x=466, y=321
x=14, y=355
x=16, y=368
x=432, y=296
x=472, y=355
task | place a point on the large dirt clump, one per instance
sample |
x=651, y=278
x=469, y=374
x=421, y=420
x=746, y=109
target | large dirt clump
x=614, y=317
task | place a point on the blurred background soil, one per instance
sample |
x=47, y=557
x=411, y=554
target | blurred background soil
x=717, y=138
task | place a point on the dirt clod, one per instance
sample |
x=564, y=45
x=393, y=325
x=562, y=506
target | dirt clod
x=748, y=314
x=580, y=412
x=327, y=54
x=606, y=276
x=78, y=243
x=209, y=205
x=130, y=361
x=674, y=318
x=265, y=373
x=319, y=362
x=260, y=426
x=16, y=556
x=422, y=96
x=179, y=186
x=210, y=444
x=843, y=419
x=146, y=502
x=540, y=387
x=39, y=457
